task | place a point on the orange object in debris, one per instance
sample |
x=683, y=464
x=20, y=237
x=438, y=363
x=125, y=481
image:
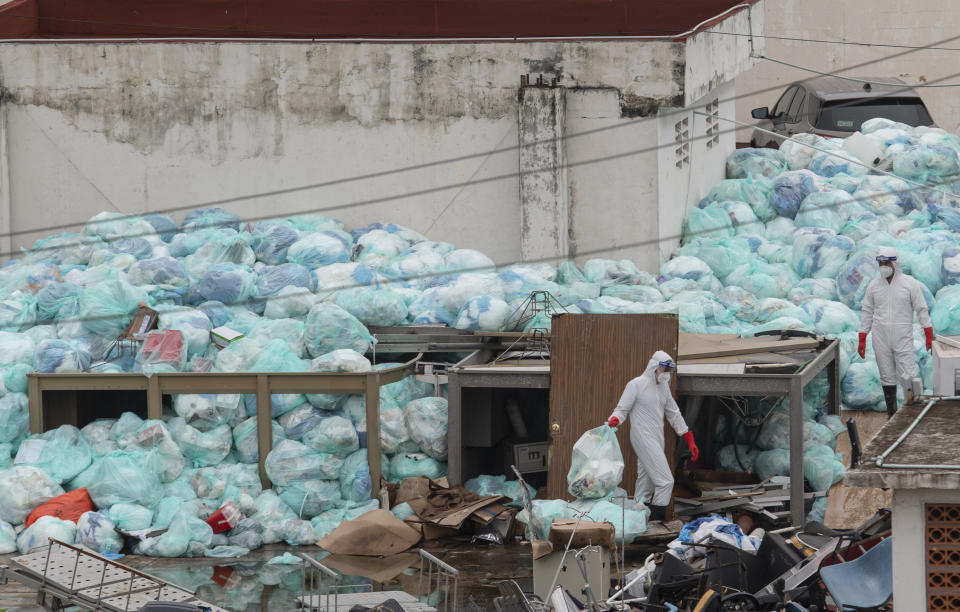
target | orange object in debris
x=68, y=507
x=226, y=518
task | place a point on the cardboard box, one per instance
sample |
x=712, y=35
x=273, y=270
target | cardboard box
x=529, y=456
x=222, y=336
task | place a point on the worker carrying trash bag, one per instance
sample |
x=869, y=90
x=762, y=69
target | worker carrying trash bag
x=646, y=399
x=887, y=310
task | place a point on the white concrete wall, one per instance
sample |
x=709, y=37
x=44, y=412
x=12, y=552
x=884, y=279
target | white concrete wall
x=897, y=22
x=909, y=537
x=681, y=189
x=417, y=134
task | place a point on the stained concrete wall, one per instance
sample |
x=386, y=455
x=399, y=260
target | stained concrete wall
x=909, y=544
x=893, y=22
x=417, y=134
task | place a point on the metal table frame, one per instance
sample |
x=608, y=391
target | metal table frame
x=263, y=384
x=782, y=385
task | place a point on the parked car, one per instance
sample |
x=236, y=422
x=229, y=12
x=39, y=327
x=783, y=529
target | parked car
x=836, y=108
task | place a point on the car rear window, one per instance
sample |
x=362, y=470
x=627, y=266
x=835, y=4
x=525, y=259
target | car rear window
x=848, y=115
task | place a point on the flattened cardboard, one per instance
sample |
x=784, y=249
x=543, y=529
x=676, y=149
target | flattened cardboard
x=375, y=534
x=378, y=570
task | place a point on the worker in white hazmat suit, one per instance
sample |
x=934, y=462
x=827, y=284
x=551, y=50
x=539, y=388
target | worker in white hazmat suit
x=887, y=310
x=646, y=400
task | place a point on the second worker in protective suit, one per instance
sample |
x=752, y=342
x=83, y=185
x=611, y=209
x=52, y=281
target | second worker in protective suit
x=646, y=400
x=887, y=310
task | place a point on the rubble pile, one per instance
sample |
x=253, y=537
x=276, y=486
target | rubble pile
x=787, y=241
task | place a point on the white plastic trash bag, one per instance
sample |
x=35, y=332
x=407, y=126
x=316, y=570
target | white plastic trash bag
x=597, y=465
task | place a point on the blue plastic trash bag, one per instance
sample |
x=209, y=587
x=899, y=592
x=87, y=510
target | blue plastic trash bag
x=61, y=356
x=414, y=465
x=271, y=279
x=790, y=189
x=130, y=517
x=204, y=218
x=712, y=221
x=861, y=386
x=775, y=462
x=855, y=276
x=374, y=307
x=45, y=528
x=298, y=421
x=227, y=283
x=355, y=483
x=822, y=467
x=887, y=195
x=159, y=271
x=606, y=272
x=330, y=327
x=23, y=488
x=163, y=225
x=271, y=241
x=427, y=423
x=925, y=162
x=292, y=461
x=217, y=312
x=832, y=163
x=482, y=313
x=203, y=448
x=334, y=435
x=62, y=453
x=308, y=498
x=318, y=249
x=823, y=209
x=597, y=465
x=753, y=163
x=119, y=477
x=107, y=308
x=58, y=301
x=428, y=309
x=799, y=149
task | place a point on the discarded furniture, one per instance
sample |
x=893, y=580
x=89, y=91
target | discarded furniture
x=866, y=583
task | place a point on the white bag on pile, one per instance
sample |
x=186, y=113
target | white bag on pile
x=23, y=488
x=427, y=423
x=45, y=528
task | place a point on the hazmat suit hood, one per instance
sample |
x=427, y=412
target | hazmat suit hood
x=654, y=363
x=889, y=252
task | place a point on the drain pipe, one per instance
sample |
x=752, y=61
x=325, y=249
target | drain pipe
x=916, y=421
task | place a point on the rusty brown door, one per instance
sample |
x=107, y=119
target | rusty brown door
x=592, y=357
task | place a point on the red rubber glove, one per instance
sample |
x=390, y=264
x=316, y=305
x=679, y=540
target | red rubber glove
x=613, y=421
x=928, y=332
x=862, y=347
x=694, y=451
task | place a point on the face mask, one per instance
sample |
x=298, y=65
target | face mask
x=886, y=271
x=663, y=378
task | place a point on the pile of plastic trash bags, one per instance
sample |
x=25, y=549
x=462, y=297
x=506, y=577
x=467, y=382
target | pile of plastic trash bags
x=786, y=241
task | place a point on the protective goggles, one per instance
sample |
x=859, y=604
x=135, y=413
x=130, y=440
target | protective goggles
x=668, y=364
x=883, y=258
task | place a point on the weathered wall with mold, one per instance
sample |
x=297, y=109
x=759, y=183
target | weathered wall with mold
x=885, y=22
x=419, y=134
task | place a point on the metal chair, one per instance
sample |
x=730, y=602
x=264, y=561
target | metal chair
x=866, y=583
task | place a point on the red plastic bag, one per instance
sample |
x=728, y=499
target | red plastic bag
x=68, y=507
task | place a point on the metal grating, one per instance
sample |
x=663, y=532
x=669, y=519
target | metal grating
x=943, y=557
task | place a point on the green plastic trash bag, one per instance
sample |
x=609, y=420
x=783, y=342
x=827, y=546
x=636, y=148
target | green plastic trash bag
x=334, y=435
x=203, y=448
x=355, y=482
x=199, y=411
x=427, y=423
x=107, y=308
x=62, y=453
x=246, y=442
x=18, y=312
x=393, y=428
x=96, y=532
x=499, y=485
x=271, y=512
x=945, y=314
x=298, y=421
x=596, y=468
x=737, y=458
x=381, y=307
x=318, y=249
x=775, y=462
x=712, y=221
x=822, y=467
x=341, y=360
x=308, y=498
x=130, y=517
x=119, y=477
x=193, y=324
x=45, y=528
x=861, y=386
x=292, y=461
x=414, y=465
x=606, y=272
x=228, y=283
x=16, y=349
x=330, y=327
x=830, y=318
x=23, y=488
x=753, y=163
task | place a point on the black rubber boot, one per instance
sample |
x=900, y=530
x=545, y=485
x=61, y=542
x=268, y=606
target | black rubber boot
x=890, y=397
x=658, y=513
